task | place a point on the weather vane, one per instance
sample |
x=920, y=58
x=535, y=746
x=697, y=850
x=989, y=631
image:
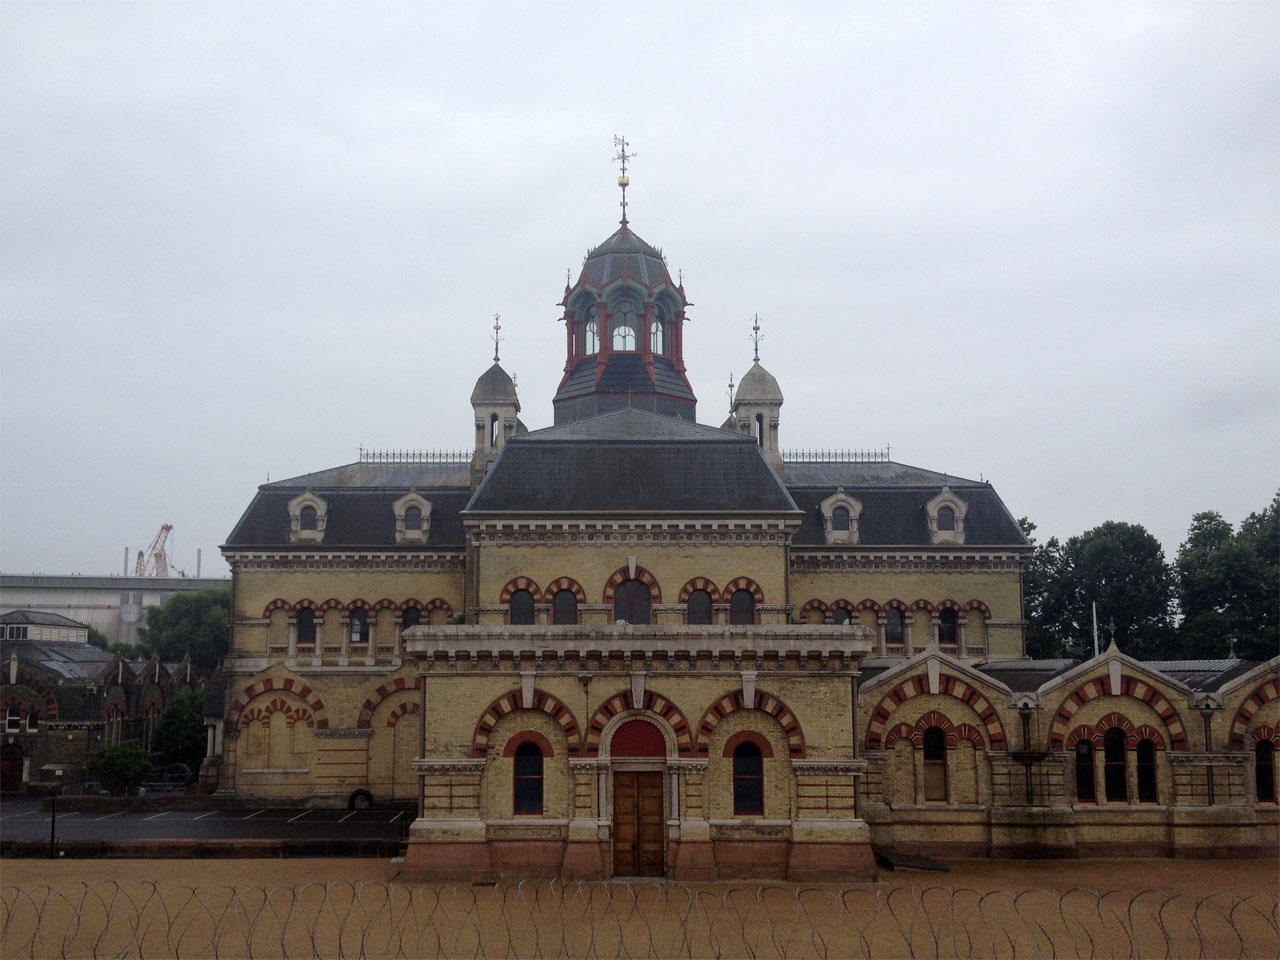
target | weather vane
x=731, y=391
x=497, y=334
x=623, y=181
x=756, y=335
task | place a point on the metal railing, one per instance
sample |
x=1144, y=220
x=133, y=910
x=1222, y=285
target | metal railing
x=414, y=456
x=836, y=456
x=625, y=919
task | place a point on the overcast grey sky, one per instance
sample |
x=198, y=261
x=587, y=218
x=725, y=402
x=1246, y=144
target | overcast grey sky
x=1036, y=243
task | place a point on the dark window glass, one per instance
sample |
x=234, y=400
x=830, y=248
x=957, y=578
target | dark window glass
x=359, y=626
x=1146, y=771
x=840, y=615
x=1085, y=790
x=742, y=607
x=528, y=779
x=631, y=602
x=564, y=607
x=306, y=627
x=411, y=617
x=1264, y=769
x=413, y=518
x=522, y=607
x=13, y=720
x=947, y=627
x=840, y=518
x=935, y=764
x=307, y=518
x=946, y=518
x=1113, y=766
x=699, y=607
x=894, y=626
x=748, y=780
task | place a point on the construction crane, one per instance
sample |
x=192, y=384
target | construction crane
x=154, y=563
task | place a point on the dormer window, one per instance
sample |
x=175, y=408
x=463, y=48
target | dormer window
x=946, y=517
x=308, y=515
x=840, y=513
x=626, y=326
x=413, y=518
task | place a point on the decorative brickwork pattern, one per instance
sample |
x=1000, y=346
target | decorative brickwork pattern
x=564, y=583
x=385, y=690
x=654, y=703
x=291, y=684
x=262, y=714
x=643, y=575
x=1240, y=723
x=1132, y=734
x=763, y=701
x=509, y=701
x=518, y=583
x=955, y=733
x=48, y=703
x=699, y=583
x=1129, y=687
x=742, y=583
x=947, y=686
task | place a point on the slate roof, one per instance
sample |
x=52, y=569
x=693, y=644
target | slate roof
x=358, y=516
x=39, y=618
x=628, y=463
x=893, y=498
x=624, y=249
x=1202, y=675
x=1026, y=676
x=69, y=659
x=495, y=386
x=624, y=373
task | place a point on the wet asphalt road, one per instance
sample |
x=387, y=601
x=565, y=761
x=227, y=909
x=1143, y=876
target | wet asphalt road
x=21, y=819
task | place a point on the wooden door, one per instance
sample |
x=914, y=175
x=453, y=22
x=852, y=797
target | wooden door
x=638, y=823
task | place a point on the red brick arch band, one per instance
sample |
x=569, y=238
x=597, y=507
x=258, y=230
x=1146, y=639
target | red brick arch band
x=388, y=689
x=762, y=701
x=1129, y=687
x=292, y=685
x=643, y=575
x=955, y=734
x=653, y=702
x=511, y=700
x=947, y=686
x=1240, y=723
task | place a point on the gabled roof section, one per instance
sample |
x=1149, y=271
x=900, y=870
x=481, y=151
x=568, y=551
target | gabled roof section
x=932, y=659
x=42, y=619
x=1117, y=664
x=630, y=463
x=66, y=659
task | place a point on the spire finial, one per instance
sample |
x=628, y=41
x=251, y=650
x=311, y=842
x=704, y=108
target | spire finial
x=731, y=392
x=623, y=181
x=756, y=335
x=497, y=334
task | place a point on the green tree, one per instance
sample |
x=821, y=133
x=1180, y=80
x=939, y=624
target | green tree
x=1121, y=568
x=1038, y=577
x=195, y=622
x=180, y=734
x=1228, y=585
x=98, y=639
x=119, y=767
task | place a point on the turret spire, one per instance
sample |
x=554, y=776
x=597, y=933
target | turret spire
x=756, y=336
x=623, y=181
x=497, y=334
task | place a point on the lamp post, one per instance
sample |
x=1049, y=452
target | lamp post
x=1206, y=714
x=1024, y=712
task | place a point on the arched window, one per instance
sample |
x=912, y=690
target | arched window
x=840, y=518
x=1113, y=778
x=522, y=607
x=699, y=609
x=946, y=518
x=1086, y=792
x=1146, y=771
x=655, y=334
x=894, y=627
x=748, y=780
x=527, y=794
x=307, y=518
x=359, y=626
x=625, y=326
x=947, y=628
x=840, y=615
x=306, y=627
x=591, y=337
x=935, y=764
x=411, y=617
x=33, y=722
x=564, y=608
x=413, y=518
x=631, y=602
x=742, y=608
x=13, y=719
x=1264, y=771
